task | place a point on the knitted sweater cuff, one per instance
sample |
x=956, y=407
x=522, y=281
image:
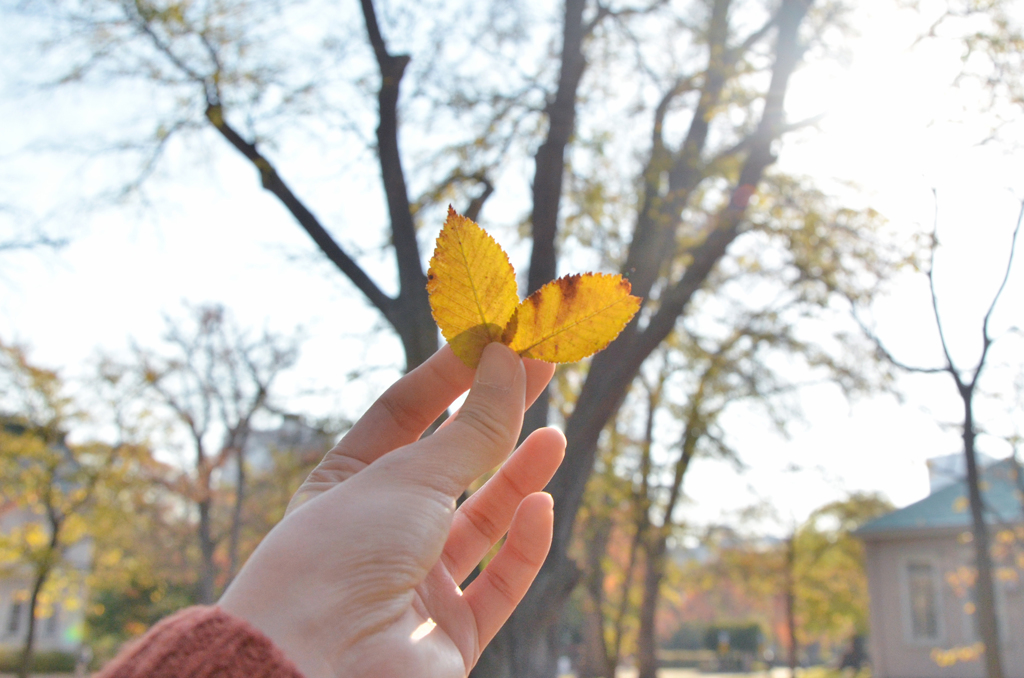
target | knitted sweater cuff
x=201, y=642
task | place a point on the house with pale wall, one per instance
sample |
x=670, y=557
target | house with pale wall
x=920, y=568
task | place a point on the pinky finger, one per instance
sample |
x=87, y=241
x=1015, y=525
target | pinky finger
x=495, y=593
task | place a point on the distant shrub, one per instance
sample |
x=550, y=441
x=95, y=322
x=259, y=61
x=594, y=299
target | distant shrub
x=42, y=662
x=737, y=638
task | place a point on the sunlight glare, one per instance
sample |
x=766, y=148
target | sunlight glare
x=422, y=630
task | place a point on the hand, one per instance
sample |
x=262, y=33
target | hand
x=361, y=577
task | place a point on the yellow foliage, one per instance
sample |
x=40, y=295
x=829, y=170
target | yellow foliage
x=135, y=628
x=35, y=536
x=472, y=287
x=571, y=318
x=952, y=656
x=1007, y=574
x=472, y=290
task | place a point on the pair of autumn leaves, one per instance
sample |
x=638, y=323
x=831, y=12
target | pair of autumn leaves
x=474, y=298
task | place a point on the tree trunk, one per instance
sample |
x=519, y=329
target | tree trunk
x=593, y=661
x=237, y=441
x=656, y=542
x=549, y=174
x=28, y=649
x=235, y=536
x=42, y=574
x=988, y=624
x=618, y=630
x=647, y=641
x=790, y=596
x=207, y=568
x=409, y=313
x=411, y=316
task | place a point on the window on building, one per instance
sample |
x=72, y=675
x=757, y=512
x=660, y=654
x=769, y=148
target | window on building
x=14, y=619
x=924, y=601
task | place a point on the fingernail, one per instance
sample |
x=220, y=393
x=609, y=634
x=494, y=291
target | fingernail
x=498, y=367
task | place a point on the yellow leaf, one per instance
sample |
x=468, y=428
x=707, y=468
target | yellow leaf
x=472, y=287
x=571, y=318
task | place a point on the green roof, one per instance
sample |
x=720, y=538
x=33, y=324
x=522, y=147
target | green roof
x=950, y=508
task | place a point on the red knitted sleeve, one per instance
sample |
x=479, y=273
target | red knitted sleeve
x=201, y=642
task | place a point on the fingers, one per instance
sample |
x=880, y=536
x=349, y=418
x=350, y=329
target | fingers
x=538, y=374
x=397, y=418
x=401, y=415
x=404, y=411
x=495, y=593
x=484, y=518
x=479, y=437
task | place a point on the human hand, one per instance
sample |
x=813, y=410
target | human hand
x=361, y=577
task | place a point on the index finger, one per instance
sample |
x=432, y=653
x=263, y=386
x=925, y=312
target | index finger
x=401, y=415
x=405, y=410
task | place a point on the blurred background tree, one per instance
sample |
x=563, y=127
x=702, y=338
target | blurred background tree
x=205, y=392
x=55, y=494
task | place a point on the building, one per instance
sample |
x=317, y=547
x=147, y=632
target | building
x=294, y=436
x=920, y=577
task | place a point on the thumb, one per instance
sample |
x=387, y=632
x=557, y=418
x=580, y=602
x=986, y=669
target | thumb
x=483, y=432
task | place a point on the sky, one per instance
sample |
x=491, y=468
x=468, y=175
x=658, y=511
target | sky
x=126, y=270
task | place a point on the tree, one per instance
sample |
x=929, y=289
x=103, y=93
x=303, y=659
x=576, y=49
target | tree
x=609, y=560
x=149, y=567
x=808, y=587
x=820, y=577
x=51, y=490
x=965, y=379
x=703, y=375
x=717, y=374
x=209, y=388
x=721, y=358
x=31, y=242
x=25, y=237
x=826, y=562
x=669, y=256
x=709, y=80
x=991, y=37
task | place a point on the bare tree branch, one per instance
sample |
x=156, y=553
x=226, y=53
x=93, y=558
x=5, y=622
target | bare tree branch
x=32, y=243
x=273, y=182
x=934, y=245
x=1006, y=276
x=739, y=50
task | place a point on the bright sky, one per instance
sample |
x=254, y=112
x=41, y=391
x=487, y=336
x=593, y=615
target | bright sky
x=125, y=269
